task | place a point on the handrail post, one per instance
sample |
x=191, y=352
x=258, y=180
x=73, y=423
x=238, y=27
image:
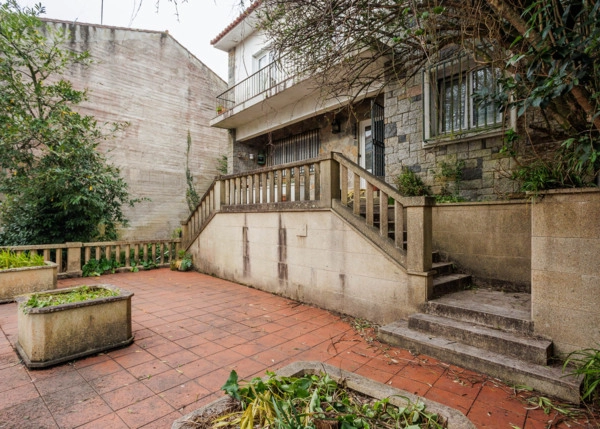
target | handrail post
x=73, y=259
x=185, y=233
x=419, y=246
x=219, y=193
x=329, y=182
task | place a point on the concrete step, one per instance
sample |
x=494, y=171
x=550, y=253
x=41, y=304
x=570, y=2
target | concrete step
x=498, y=310
x=528, y=349
x=443, y=268
x=448, y=283
x=549, y=380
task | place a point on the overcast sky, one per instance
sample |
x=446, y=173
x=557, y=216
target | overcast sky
x=200, y=21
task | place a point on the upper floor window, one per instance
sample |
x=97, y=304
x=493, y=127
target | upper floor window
x=264, y=69
x=451, y=107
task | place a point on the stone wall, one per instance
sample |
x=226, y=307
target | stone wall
x=565, y=281
x=314, y=257
x=485, y=170
x=149, y=80
x=491, y=241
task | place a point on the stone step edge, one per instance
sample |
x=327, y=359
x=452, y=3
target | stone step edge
x=534, y=350
x=465, y=314
x=545, y=379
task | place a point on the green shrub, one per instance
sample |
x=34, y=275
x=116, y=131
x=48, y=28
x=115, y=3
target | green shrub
x=411, y=185
x=82, y=293
x=587, y=364
x=10, y=259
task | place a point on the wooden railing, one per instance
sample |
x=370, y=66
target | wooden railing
x=71, y=257
x=327, y=182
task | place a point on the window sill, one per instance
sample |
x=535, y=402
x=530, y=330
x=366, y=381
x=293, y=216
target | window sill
x=463, y=137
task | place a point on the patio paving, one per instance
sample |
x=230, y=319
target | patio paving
x=191, y=330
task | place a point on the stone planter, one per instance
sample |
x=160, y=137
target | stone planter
x=52, y=335
x=368, y=387
x=18, y=281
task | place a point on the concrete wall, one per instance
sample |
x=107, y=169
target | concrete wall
x=148, y=79
x=485, y=171
x=314, y=257
x=565, y=279
x=491, y=241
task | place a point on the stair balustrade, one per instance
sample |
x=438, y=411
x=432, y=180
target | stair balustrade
x=330, y=181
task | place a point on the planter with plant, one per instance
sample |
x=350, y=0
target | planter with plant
x=183, y=261
x=24, y=273
x=66, y=324
x=313, y=395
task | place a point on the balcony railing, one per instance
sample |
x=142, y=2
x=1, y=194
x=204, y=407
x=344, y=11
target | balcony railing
x=264, y=79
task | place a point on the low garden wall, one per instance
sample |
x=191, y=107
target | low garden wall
x=314, y=257
x=565, y=285
x=489, y=240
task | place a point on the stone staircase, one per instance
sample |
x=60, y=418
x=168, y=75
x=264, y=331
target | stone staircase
x=486, y=331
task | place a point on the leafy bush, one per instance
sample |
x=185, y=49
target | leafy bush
x=10, y=259
x=411, y=185
x=314, y=401
x=587, y=364
x=95, y=268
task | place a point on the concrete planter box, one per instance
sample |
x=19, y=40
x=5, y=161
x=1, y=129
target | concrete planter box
x=52, y=335
x=366, y=386
x=18, y=281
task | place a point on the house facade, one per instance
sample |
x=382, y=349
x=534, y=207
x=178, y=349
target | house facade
x=150, y=81
x=429, y=125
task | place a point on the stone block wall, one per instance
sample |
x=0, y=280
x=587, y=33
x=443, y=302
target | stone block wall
x=484, y=175
x=489, y=240
x=146, y=78
x=565, y=278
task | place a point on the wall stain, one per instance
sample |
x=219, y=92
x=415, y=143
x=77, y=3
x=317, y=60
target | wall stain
x=246, y=249
x=282, y=267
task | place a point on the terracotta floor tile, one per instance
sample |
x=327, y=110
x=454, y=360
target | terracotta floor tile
x=374, y=374
x=99, y=369
x=343, y=363
x=457, y=401
x=58, y=382
x=12, y=378
x=164, y=422
x=112, y=381
x=184, y=394
x=206, y=349
x=164, y=349
x=69, y=397
x=410, y=385
x=458, y=385
x=499, y=396
x=485, y=415
x=179, y=358
x=17, y=395
x=90, y=360
x=109, y=421
x=149, y=369
x=133, y=359
x=424, y=373
x=214, y=380
x=191, y=341
x=230, y=341
x=22, y=413
x=166, y=380
x=145, y=411
x=81, y=413
x=127, y=395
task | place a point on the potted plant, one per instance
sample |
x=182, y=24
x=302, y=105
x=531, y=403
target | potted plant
x=24, y=273
x=61, y=325
x=183, y=261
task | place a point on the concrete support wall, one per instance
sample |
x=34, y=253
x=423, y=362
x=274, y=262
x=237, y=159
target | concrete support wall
x=491, y=241
x=146, y=78
x=314, y=257
x=565, y=279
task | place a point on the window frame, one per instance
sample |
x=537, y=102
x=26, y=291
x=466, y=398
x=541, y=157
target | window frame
x=459, y=69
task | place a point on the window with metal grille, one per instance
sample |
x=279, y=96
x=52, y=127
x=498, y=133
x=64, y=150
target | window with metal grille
x=451, y=107
x=295, y=148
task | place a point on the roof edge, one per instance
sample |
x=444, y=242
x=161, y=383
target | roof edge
x=236, y=21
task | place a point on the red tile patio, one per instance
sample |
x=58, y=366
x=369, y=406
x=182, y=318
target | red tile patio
x=191, y=330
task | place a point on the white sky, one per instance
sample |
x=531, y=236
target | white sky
x=200, y=21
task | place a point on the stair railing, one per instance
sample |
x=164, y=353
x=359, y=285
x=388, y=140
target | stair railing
x=326, y=182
